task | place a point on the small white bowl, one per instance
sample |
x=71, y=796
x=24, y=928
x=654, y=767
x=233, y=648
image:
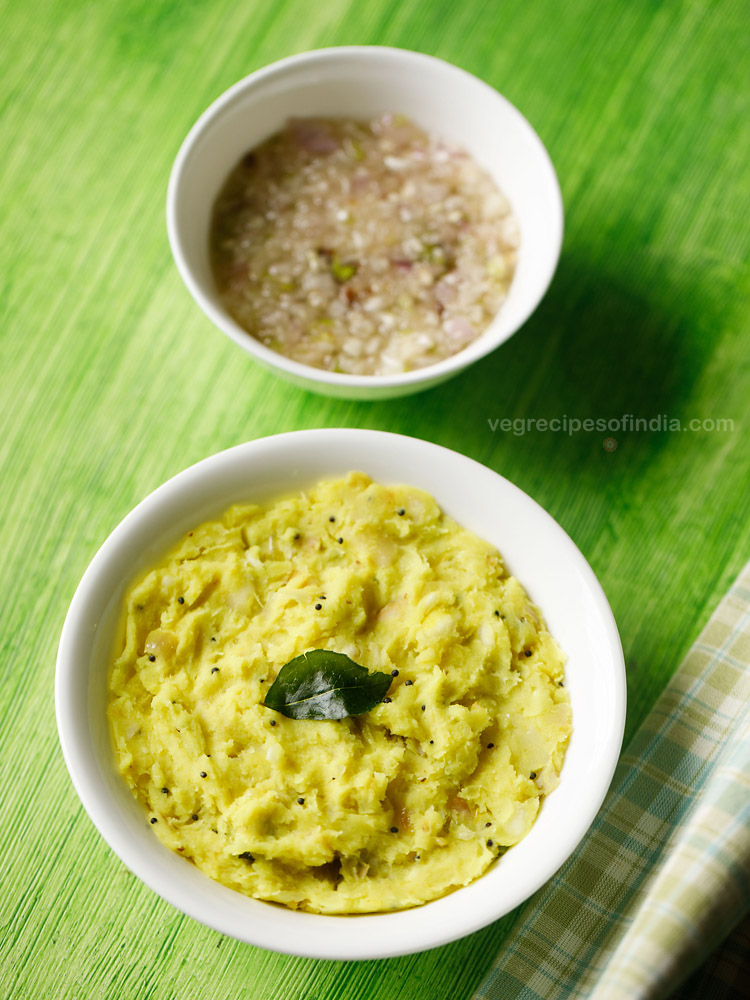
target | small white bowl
x=362, y=82
x=536, y=550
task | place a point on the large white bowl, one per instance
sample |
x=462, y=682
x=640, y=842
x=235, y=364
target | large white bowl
x=362, y=82
x=536, y=550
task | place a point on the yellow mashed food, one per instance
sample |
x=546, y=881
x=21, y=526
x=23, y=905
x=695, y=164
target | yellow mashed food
x=382, y=811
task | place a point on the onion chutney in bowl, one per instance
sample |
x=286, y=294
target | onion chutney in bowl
x=362, y=247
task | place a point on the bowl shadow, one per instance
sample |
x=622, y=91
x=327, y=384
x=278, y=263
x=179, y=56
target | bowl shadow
x=596, y=349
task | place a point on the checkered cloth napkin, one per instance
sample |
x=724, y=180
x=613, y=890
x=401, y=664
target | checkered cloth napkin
x=664, y=873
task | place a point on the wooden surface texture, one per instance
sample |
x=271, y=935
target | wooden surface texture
x=111, y=381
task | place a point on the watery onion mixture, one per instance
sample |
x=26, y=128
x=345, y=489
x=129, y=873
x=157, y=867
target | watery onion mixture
x=362, y=247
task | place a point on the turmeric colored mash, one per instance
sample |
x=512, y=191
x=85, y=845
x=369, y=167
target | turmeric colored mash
x=379, y=812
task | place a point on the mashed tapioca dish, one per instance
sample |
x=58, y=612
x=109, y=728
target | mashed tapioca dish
x=380, y=809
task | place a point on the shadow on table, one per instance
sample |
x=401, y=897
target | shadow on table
x=595, y=350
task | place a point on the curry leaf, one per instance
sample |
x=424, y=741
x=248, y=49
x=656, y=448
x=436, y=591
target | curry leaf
x=342, y=272
x=320, y=684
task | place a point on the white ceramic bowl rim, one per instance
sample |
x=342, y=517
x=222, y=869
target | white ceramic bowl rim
x=473, y=491
x=238, y=91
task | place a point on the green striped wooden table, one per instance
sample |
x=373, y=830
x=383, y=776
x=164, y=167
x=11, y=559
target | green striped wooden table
x=112, y=381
